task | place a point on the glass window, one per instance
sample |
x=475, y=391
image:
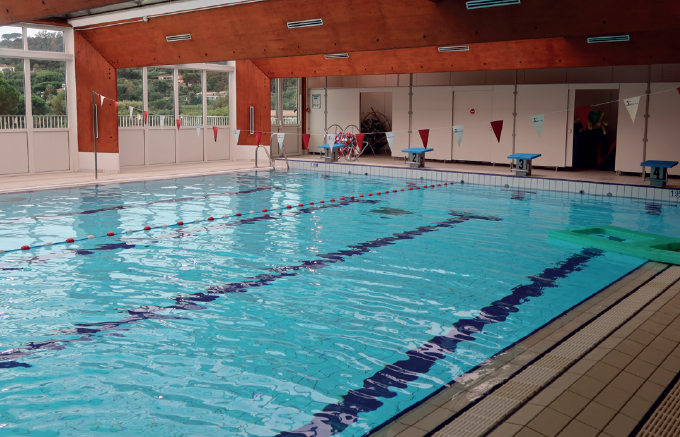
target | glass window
x=289, y=90
x=219, y=63
x=11, y=37
x=48, y=99
x=161, y=96
x=275, y=101
x=190, y=88
x=45, y=40
x=218, y=98
x=12, y=100
x=130, y=93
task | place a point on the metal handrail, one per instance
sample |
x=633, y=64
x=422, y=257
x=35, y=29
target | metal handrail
x=271, y=163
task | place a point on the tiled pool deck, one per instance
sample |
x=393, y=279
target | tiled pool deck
x=609, y=367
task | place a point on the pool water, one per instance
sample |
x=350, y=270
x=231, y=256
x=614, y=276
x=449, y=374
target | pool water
x=327, y=319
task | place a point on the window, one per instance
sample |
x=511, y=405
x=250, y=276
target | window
x=289, y=100
x=218, y=98
x=12, y=99
x=45, y=40
x=190, y=89
x=275, y=101
x=11, y=37
x=130, y=93
x=161, y=96
x=48, y=94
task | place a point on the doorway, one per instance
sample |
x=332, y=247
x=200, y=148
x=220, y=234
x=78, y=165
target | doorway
x=376, y=116
x=594, y=146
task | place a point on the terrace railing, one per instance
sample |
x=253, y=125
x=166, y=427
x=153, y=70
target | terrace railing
x=12, y=122
x=288, y=121
x=155, y=120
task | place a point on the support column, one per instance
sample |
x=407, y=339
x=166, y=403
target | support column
x=94, y=73
x=253, y=89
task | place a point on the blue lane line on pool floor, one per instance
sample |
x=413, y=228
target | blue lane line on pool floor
x=335, y=418
x=187, y=302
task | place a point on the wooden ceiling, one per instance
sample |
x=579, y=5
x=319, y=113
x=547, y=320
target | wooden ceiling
x=16, y=11
x=370, y=30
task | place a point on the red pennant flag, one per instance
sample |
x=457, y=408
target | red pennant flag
x=424, y=135
x=146, y=116
x=115, y=105
x=305, y=141
x=497, y=127
x=215, y=129
x=582, y=114
x=360, y=140
x=679, y=89
x=179, y=123
x=258, y=137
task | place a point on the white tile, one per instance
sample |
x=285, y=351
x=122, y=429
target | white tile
x=635, y=192
x=665, y=195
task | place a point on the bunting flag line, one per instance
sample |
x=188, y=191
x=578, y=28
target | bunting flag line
x=425, y=136
x=131, y=110
x=280, y=137
x=198, y=130
x=360, y=140
x=179, y=123
x=102, y=101
x=305, y=141
x=258, y=137
x=582, y=114
x=458, y=133
x=139, y=118
x=632, y=105
x=537, y=120
x=390, y=139
x=216, y=129
x=162, y=117
x=237, y=134
x=497, y=127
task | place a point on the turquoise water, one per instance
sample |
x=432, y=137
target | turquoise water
x=277, y=322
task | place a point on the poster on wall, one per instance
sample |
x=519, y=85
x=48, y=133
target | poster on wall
x=316, y=101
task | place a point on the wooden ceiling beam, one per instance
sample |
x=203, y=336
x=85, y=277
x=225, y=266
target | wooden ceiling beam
x=17, y=11
x=258, y=30
x=643, y=49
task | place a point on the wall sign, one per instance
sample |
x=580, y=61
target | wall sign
x=316, y=101
x=472, y=111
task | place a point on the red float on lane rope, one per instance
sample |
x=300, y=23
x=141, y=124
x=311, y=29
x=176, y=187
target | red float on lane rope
x=70, y=240
x=361, y=195
x=402, y=189
x=311, y=203
x=301, y=204
x=147, y=228
x=394, y=191
x=288, y=206
x=342, y=198
x=264, y=209
x=378, y=193
x=25, y=247
x=321, y=201
x=110, y=234
x=352, y=197
x=439, y=185
x=332, y=200
x=211, y=218
x=180, y=223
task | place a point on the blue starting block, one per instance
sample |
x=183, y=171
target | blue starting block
x=416, y=156
x=658, y=171
x=523, y=165
x=330, y=153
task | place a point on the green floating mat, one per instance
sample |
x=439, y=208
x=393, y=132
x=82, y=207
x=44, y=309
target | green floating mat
x=614, y=239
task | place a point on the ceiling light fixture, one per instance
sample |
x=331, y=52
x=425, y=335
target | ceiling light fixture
x=619, y=38
x=305, y=23
x=174, y=38
x=478, y=4
x=337, y=56
x=453, y=49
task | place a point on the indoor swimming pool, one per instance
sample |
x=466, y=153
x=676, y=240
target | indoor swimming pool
x=324, y=319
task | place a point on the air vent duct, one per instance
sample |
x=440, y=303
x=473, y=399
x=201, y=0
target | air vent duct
x=306, y=23
x=453, y=49
x=619, y=38
x=337, y=56
x=478, y=4
x=174, y=38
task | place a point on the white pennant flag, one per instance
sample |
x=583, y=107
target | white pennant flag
x=237, y=133
x=390, y=138
x=102, y=104
x=632, y=105
x=537, y=120
x=198, y=130
x=131, y=109
x=162, y=121
x=331, y=139
x=280, y=138
x=458, y=132
x=139, y=117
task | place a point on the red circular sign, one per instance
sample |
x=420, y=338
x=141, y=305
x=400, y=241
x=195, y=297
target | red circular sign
x=472, y=111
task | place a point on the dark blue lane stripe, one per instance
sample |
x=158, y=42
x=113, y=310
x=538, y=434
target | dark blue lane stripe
x=142, y=205
x=335, y=418
x=187, y=302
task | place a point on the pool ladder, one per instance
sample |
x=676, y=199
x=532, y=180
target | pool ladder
x=271, y=161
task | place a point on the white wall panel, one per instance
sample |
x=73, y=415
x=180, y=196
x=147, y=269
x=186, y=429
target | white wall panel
x=131, y=147
x=664, y=130
x=14, y=152
x=344, y=107
x=189, y=145
x=432, y=109
x=476, y=143
x=550, y=100
x=161, y=146
x=503, y=101
x=629, y=135
x=400, y=120
x=315, y=120
x=51, y=151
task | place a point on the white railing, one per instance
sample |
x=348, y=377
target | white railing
x=12, y=122
x=290, y=120
x=50, y=122
x=155, y=120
